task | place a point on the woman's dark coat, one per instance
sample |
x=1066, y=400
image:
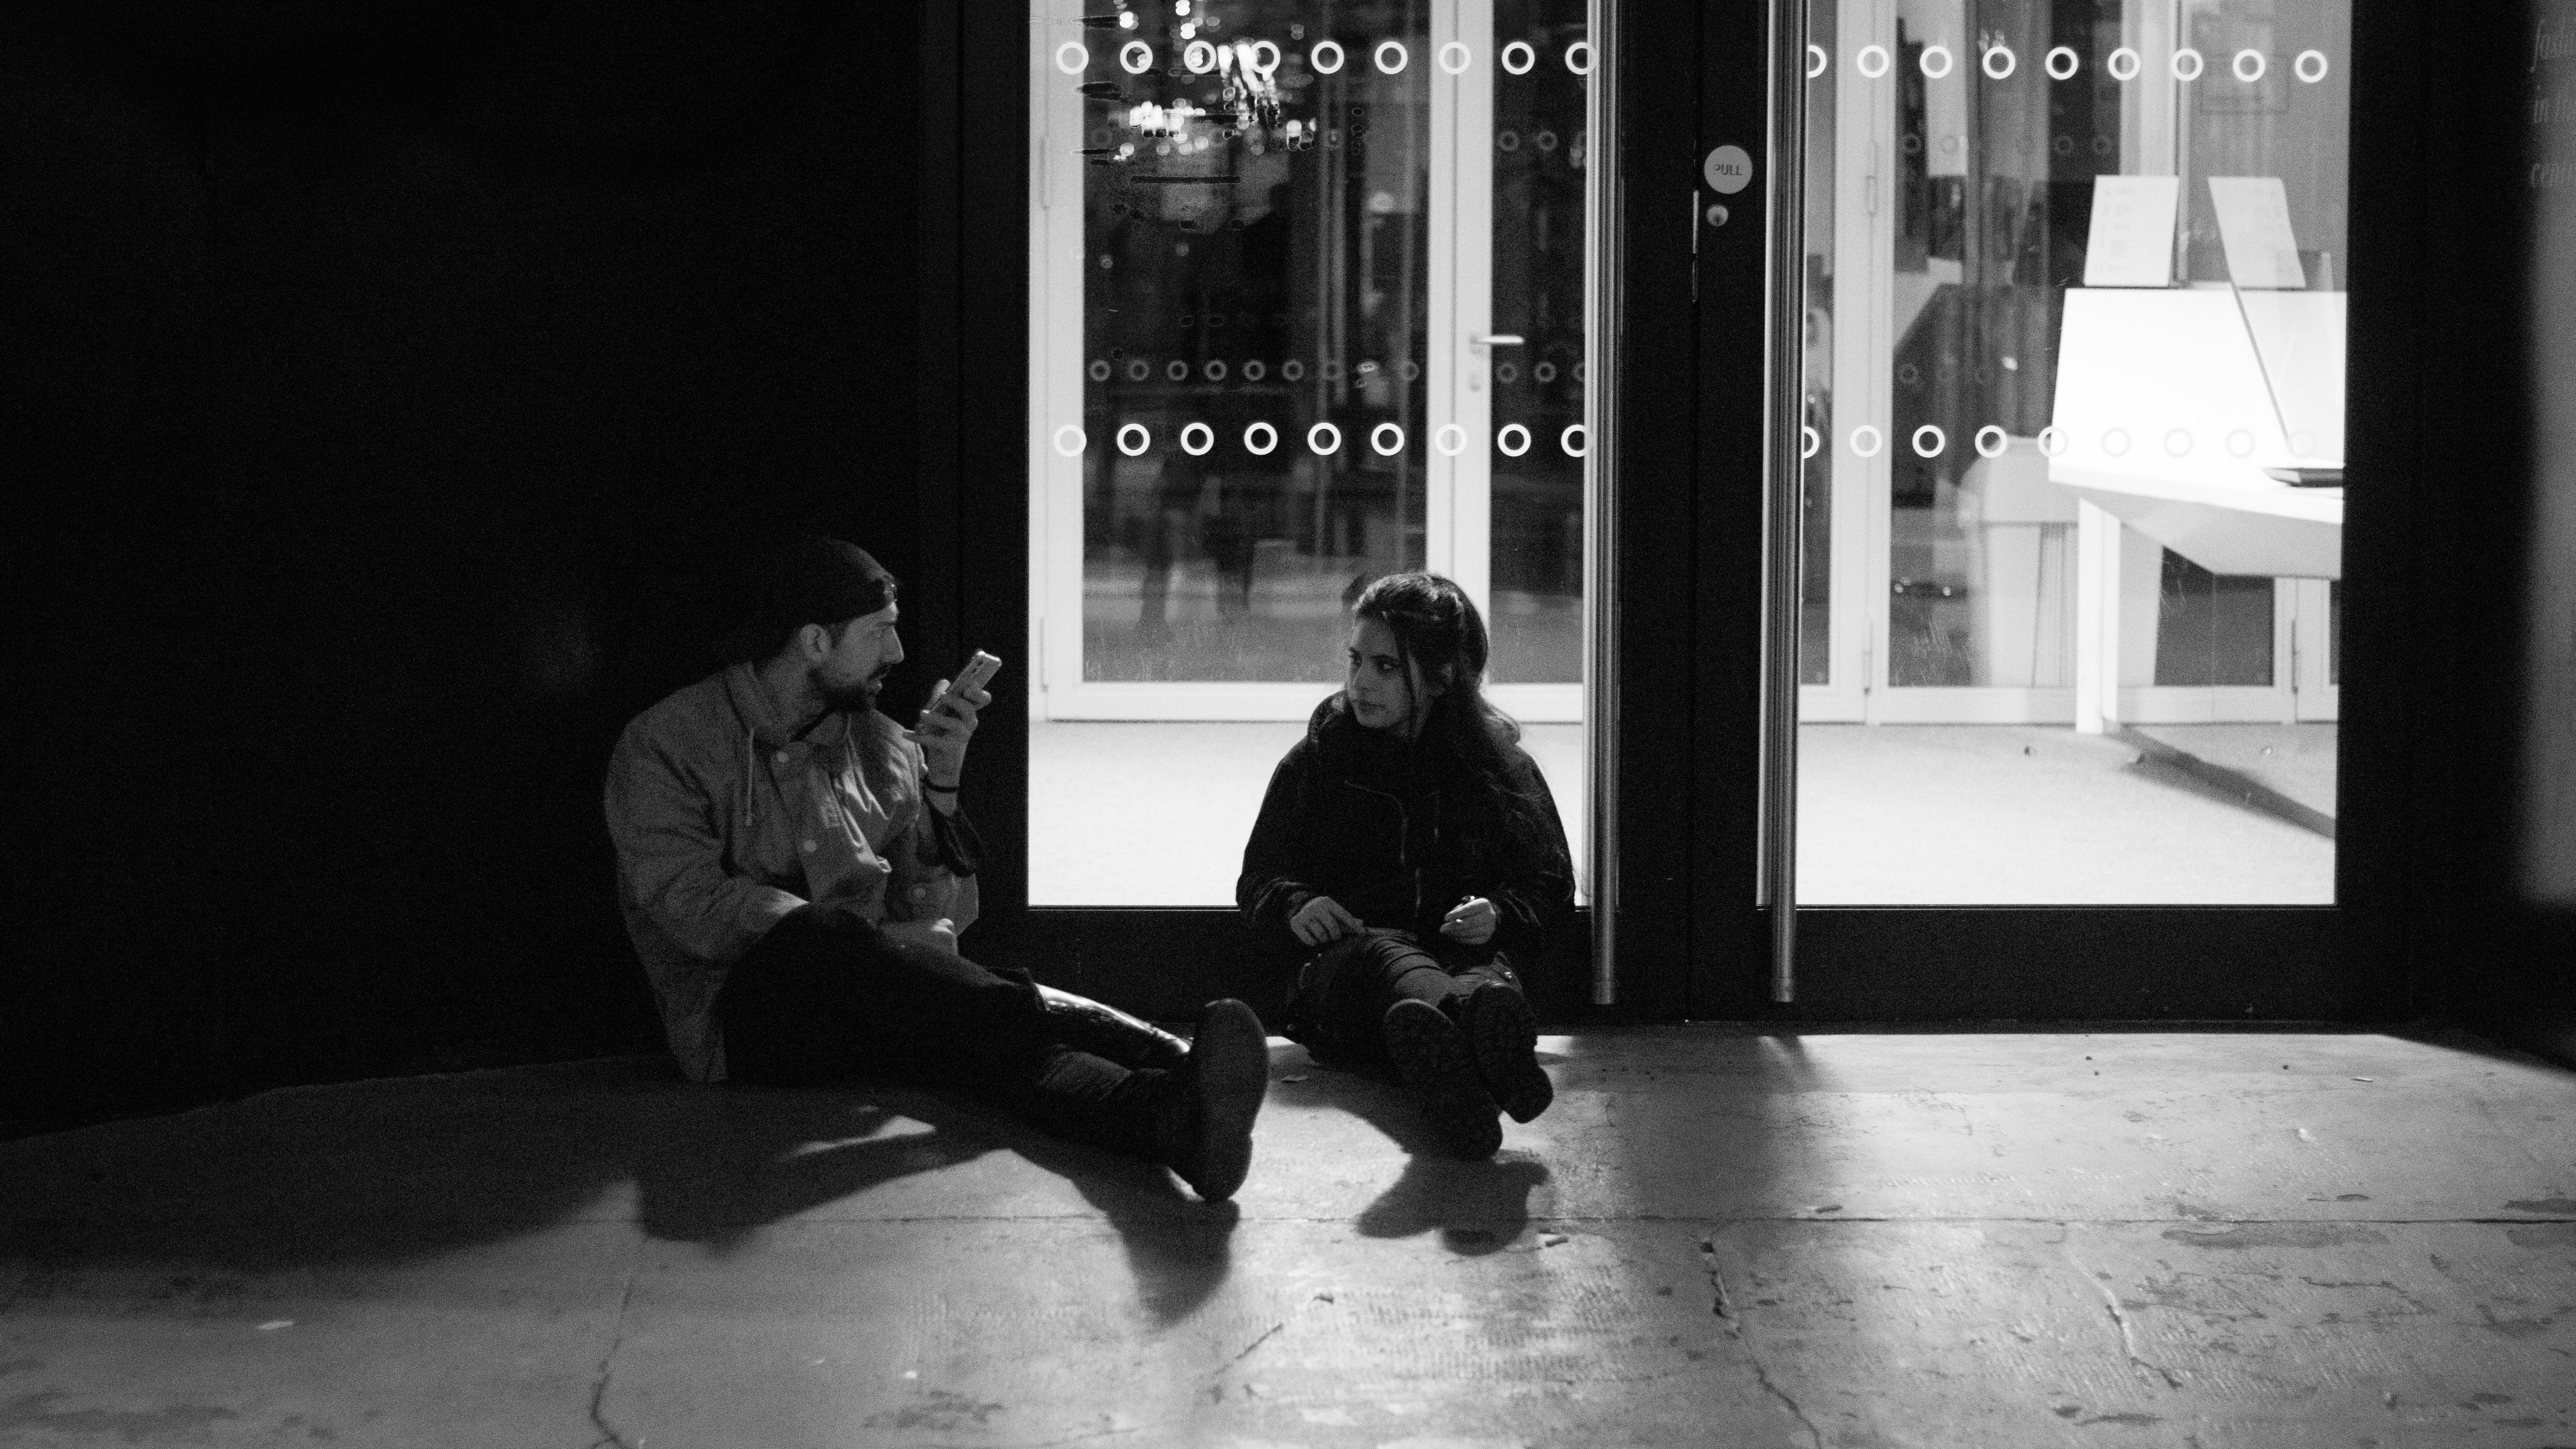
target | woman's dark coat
x=1398, y=833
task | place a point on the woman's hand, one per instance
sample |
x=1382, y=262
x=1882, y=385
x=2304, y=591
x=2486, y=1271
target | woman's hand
x=1322, y=920
x=1471, y=922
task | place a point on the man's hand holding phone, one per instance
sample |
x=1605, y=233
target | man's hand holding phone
x=946, y=725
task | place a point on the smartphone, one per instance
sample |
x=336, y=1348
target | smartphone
x=975, y=675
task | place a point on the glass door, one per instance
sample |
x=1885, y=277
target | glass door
x=2074, y=404
x=1306, y=295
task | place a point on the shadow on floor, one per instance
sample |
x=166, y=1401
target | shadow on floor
x=398, y=1170
x=1476, y=1207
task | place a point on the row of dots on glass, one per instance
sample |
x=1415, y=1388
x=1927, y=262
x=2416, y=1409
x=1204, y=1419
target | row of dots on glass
x=1217, y=369
x=1323, y=439
x=1998, y=62
x=1325, y=57
x=1990, y=441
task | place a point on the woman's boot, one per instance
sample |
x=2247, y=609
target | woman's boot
x=1432, y=1056
x=1502, y=1035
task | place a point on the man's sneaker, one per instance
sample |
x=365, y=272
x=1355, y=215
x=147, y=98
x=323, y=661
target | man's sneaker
x=1205, y=1132
x=1502, y=1035
x=1431, y=1054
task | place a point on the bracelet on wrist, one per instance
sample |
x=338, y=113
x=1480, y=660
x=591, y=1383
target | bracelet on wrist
x=935, y=788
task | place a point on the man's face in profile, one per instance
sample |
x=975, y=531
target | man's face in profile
x=849, y=677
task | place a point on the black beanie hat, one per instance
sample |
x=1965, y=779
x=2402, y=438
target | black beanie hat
x=807, y=579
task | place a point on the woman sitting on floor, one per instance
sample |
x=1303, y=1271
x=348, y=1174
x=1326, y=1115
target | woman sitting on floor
x=1409, y=852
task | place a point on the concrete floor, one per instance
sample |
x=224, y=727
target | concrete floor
x=1716, y=1238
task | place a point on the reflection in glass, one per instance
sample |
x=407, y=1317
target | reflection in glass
x=1257, y=269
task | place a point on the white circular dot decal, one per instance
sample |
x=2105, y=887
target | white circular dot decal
x=1936, y=61
x=1574, y=440
x=1929, y=441
x=1326, y=57
x=1197, y=438
x=2124, y=64
x=2178, y=442
x=1872, y=61
x=1991, y=441
x=1323, y=438
x=1213, y=369
x=1514, y=440
x=1518, y=57
x=1260, y=438
x=1134, y=438
x=2187, y=64
x=1998, y=62
x=2116, y=441
x=1255, y=370
x=2310, y=66
x=1451, y=440
x=1578, y=57
x=1817, y=61
x=1176, y=370
x=1386, y=440
x=1454, y=58
x=1136, y=57
x=2249, y=66
x=2052, y=440
x=1073, y=57
x=1200, y=57
x=1099, y=369
x=1391, y=57
x=1867, y=440
x=1070, y=441
x=1809, y=441
x=2063, y=63
x=2240, y=444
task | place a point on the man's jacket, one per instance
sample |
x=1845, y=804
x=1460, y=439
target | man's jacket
x=723, y=825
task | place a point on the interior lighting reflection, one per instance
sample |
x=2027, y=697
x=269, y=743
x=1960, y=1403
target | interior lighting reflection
x=1323, y=439
x=1518, y=57
x=1070, y=441
x=1144, y=438
x=1513, y=440
x=2063, y=63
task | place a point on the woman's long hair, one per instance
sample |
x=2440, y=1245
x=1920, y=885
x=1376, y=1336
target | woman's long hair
x=1440, y=639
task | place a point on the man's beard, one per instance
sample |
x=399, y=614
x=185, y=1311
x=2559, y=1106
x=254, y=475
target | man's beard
x=856, y=698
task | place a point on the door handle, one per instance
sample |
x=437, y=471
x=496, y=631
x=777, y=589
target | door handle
x=1499, y=339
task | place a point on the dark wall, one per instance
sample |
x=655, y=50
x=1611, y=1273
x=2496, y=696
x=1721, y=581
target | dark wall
x=382, y=387
x=2467, y=772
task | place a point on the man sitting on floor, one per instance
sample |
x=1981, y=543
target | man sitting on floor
x=794, y=869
